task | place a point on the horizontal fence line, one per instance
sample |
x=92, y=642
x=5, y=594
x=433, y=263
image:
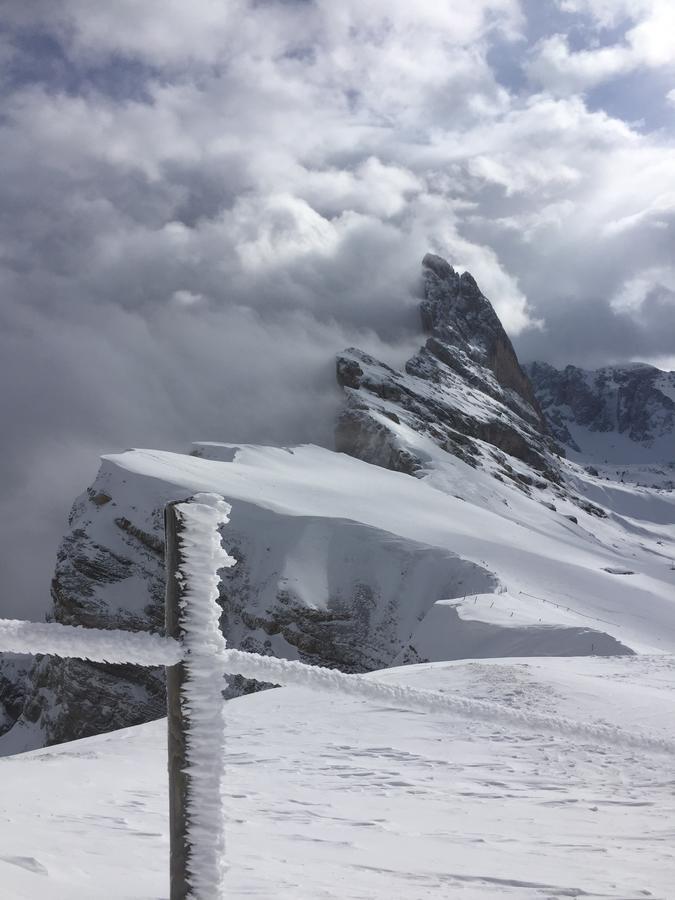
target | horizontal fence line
x=139, y=648
x=145, y=649
x=290, y=673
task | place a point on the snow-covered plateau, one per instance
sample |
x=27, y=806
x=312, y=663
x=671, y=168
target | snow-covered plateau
x=351, y=799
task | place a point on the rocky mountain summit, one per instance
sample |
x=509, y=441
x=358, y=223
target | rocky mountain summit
x=465, y=389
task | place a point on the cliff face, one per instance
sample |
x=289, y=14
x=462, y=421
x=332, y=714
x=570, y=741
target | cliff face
x=465, y=389
x=457, y=315
x=636, y=402
x=315, y=589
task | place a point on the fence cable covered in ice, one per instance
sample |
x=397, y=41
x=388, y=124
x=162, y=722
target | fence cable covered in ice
x=154, y=650
x=94, y=644
x=289, y=673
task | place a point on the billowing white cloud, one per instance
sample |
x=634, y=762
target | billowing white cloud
x=608, y=13
x=648, y=42
x=201, y=203
x=633, y=293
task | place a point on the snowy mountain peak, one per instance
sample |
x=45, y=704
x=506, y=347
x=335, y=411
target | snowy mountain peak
x=453, y=304
x=498, y=546
x=456, y=313
x=465, y=389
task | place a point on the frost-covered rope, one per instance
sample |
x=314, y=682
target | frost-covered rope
x=95, y=644
x=287, y=672
x=146, y=649
x=201, y=557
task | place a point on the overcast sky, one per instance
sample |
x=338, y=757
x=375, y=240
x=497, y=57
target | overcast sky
x=200, y=203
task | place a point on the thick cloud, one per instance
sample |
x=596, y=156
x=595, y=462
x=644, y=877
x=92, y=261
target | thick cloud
x=201, y=203
x=647, y=41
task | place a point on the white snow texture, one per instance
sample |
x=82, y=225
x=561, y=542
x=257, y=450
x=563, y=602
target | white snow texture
x=209, y=659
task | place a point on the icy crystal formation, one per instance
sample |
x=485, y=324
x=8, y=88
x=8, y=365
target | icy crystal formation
x=202, y=557
x=93, y=644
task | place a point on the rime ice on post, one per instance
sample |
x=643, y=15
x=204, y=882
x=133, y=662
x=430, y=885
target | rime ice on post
x=201, y=682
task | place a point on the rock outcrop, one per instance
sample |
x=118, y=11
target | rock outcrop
x=465, y=389
x=318, y=590
x=634, y=401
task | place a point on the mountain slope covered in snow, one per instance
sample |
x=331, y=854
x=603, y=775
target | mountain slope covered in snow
x=344, y=563
x=497, y=546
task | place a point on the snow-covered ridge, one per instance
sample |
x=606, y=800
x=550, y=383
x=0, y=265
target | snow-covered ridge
x=379, y=550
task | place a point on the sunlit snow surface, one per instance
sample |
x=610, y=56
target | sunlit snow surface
x=340, y=798
x=334, y=797
x=551, y=571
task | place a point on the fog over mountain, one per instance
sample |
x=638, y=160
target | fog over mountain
x=202, y=203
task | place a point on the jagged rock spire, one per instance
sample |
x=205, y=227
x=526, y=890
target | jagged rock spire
x=455, y=312
x=465, y=386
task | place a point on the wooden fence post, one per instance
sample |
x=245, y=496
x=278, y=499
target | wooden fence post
x=179, y=780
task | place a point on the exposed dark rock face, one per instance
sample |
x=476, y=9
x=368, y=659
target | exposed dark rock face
x=93, y=582
x=463, y=323
x=464, y=389
x=110, y=574
x=15, y=685
x=637, y=401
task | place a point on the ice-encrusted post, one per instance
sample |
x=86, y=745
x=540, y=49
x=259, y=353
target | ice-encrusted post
x=196, y=720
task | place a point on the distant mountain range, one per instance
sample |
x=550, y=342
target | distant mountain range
x=495, y=524
x=621, y=418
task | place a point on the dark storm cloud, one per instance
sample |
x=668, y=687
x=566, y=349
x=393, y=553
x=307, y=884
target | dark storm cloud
x=201, y=203
x=608, y=337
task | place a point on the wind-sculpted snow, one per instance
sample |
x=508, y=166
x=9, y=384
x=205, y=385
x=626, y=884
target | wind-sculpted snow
x=331, y=796
x=93, y=644
x=341, y=564
x=202, y=557
x=289, y=673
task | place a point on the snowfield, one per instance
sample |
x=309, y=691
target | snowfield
x=524, y=599
x=545, y=569
x=336, y=797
